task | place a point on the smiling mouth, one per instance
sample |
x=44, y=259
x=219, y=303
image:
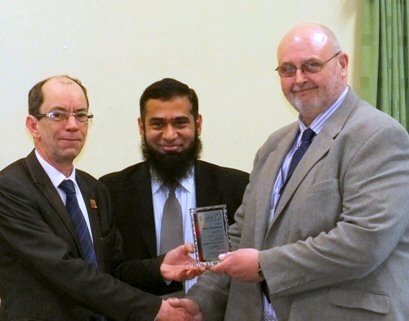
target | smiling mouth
x=170, y=148
x=303, y=89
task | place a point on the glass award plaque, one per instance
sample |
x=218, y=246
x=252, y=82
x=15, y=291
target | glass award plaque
x=210, y=233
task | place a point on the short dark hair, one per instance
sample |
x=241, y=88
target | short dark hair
x=36, y=95
x=167, y=89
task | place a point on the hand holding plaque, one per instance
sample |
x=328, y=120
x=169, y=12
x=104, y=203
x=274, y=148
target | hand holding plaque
x=210, y=233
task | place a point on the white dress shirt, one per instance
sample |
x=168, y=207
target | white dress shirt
x=186, y=195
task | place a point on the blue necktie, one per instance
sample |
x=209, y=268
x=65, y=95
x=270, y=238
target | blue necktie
x=78, y=220
x=81, y=228
x=306, y=140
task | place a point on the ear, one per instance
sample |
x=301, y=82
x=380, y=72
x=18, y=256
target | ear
x=344, y=60
x=32, y=126
x=141, y=127
x=199, y=124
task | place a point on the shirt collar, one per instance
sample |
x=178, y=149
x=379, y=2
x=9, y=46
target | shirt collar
x=55, y=175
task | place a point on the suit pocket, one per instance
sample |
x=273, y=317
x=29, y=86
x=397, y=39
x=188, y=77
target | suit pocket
x=316, y=208
x=358, y=299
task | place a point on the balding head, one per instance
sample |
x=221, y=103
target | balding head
x=313, y=69
x=310, y=35
x=36, y=94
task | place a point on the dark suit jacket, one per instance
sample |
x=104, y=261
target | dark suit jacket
x=131, y=195
x=42, y=273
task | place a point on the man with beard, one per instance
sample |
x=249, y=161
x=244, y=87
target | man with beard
x=170, y=127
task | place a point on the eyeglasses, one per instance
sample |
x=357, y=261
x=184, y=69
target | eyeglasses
x=312, y=67
x=60, y=115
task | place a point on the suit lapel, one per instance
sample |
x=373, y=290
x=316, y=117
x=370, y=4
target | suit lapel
x=139, y=189
x=206, y=189
x=316, y=151
x=268, y=176
x=45, y=186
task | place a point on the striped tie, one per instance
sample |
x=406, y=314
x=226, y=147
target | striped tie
x=79, y=222
x=81, y=229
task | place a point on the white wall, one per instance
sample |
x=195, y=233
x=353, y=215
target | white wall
x=224, y=49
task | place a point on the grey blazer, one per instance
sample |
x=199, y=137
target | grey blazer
x=338, y=247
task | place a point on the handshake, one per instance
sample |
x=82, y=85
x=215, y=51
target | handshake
x=178, y=265
x=174, y=309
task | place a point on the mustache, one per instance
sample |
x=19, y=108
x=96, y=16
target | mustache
x=306, y=86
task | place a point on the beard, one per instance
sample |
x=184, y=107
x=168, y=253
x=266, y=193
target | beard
x=170, y=168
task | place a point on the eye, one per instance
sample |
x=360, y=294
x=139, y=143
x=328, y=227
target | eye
x=82, y=116
x=58, y=115
x=287, y=69
x=312, y=66
x=156, y=124
x=181, y=123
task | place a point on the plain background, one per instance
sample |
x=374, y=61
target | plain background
x=224, y=49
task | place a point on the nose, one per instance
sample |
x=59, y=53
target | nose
x=169, y=132
x=299, y=76
x=72, y=122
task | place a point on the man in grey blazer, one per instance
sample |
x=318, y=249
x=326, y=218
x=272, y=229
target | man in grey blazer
x=333, y=244
x=170, y=127
x=49, y=269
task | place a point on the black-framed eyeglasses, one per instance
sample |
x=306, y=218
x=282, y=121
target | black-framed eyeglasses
x=311, y=67
x=60, y=115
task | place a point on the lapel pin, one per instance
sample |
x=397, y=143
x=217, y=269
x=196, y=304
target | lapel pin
x=92, y=203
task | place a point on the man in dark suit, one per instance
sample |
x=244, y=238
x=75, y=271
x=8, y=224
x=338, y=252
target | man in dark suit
x=53, y=266
x=170, y=126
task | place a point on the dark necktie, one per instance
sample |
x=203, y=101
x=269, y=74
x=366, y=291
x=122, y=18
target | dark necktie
x=171, y=234
x=79, y=222
x=81, y=229
x=306, y=140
